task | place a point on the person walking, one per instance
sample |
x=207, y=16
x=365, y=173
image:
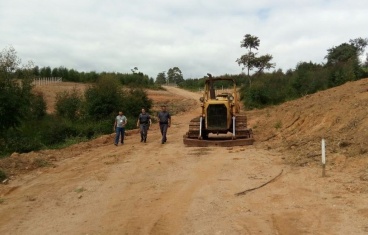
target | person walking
x=144, y=121
x=119, y=127
x=164, y=122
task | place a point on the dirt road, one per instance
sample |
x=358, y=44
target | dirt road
x=154, y=188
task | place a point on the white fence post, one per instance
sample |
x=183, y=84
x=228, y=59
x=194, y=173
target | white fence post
x=323, y=158
x=46, y=80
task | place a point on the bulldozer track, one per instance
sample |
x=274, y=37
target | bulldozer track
x=194, y=128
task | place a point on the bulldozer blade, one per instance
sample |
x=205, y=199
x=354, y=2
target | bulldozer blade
x=191, y=142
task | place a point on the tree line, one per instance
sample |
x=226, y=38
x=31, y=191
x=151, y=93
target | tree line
x=134, y=79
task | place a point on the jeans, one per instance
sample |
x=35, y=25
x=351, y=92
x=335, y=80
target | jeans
x=119, y=131
x=163, y=128
x=144, y=129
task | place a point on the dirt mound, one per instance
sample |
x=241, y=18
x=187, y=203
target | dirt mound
x=339, y=115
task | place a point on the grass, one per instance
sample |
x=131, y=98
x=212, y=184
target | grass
x=80, y=190
x=200, y=152
x=40, y=162
x=70, y=141
x=278, y=125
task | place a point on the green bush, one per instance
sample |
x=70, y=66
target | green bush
x=23, y=139
x=69, y=104
x=134, y=101
x=54, y=130
x=103, y=98
x=38, y=106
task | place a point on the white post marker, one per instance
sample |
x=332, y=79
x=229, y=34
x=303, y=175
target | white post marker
x=323, y=157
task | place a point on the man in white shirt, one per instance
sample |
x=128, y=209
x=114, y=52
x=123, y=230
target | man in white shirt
x=119, y=127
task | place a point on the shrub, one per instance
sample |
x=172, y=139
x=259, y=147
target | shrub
x=103, y=98
x=56, y=129
x=134, y=101
x=38, y=106
x=68, y=104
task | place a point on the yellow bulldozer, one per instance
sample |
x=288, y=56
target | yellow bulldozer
x=220, y=122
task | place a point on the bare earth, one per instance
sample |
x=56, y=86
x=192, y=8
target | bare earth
x=153, y=188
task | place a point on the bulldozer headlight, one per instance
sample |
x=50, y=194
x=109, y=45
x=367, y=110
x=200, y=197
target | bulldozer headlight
x=201, y=99
x=231, y=98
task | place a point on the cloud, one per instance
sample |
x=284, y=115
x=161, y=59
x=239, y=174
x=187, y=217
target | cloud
x=196, y=36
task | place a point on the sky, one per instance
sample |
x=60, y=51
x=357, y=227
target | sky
x=197, y=36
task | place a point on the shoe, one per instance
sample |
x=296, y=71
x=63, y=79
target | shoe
x=122, y=142
x=162, y=142
x=141, y=139
x=145, y=140
x=116, y=144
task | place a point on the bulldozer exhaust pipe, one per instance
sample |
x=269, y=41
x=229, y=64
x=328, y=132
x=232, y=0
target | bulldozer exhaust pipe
x=233, y=126
x=200, y=128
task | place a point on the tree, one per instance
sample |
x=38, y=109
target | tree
x=69, y=104
x=55, y=72
x=15, y=97
x=174, y=75
x=250, y=59
x=161, y=78
x=341, y=54
x=45, y=72
x=343, y=61
x=346, y=51
x=359, y=44
x=9, y=62
x=263, y=62
x=36, y=71
x=135, y=70
x=103, y=98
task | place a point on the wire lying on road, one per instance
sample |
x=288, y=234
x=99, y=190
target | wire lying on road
x=248, y=190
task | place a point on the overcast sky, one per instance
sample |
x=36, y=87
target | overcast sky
x=196, y=36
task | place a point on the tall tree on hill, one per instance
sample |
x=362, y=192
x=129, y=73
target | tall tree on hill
x=250, y=60
x=174, y=75
x=346, y=51
x=344, y=63
x=161, y=78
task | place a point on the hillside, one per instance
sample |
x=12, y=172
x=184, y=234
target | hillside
x=340, y=115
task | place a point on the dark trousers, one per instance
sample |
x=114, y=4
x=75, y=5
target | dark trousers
x=144, y=129
x=163, y=128
x=120, y=131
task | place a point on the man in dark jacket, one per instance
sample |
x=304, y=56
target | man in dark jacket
x=144, y=121
x=164, y=119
